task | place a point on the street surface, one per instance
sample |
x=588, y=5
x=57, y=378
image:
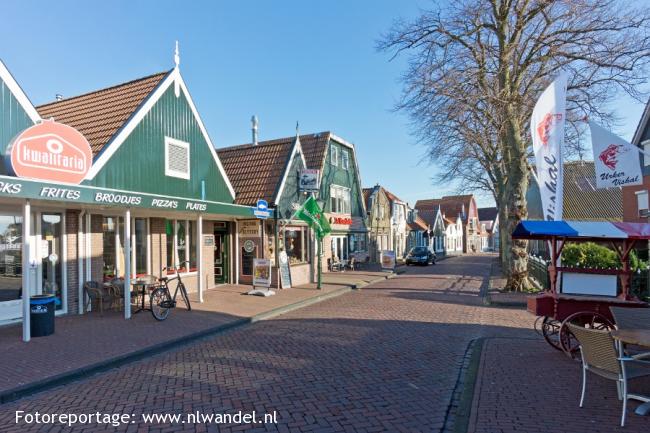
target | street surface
x=384, y=358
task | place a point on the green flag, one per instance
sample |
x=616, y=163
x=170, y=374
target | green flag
x=312, y=214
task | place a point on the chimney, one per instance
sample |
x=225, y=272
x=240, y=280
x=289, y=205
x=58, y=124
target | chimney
x=59, y=97
x=255, y=123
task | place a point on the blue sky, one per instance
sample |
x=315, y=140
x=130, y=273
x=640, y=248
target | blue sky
x=284, y=61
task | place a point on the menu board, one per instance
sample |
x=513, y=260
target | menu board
x=261, y=273
x=285, y=273
x=387, y=260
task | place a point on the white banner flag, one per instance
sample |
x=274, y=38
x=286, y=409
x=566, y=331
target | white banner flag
x=616, y=161
x=547, y=130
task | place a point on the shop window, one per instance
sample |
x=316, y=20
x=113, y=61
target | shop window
x=334, y=155
x=177, y=158
x=181, y=245
x=11, y=257
x=339, y=199
x=295, y=244
x=109, y=255
x=345, y=159
x=140, y=244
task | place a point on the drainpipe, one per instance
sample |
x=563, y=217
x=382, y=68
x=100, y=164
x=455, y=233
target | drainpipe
x=27, y=269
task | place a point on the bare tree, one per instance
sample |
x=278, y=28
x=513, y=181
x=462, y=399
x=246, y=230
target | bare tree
x=475, y=71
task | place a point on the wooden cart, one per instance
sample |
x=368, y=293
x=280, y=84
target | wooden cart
x=590, y=310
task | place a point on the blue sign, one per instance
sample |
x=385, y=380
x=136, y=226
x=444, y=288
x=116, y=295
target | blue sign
x=262, y=210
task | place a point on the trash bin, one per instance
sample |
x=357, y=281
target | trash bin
x=41, y=315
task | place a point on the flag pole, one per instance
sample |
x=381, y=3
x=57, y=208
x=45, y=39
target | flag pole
x=320, y=261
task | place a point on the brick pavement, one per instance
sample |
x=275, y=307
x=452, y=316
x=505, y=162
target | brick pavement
x=384, y=358
x=526, y=386
x=84, y=341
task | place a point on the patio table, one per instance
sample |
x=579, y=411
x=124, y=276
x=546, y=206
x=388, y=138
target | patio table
x=638, y=337
x=145, y=282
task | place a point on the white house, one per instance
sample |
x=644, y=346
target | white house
x=453, y=235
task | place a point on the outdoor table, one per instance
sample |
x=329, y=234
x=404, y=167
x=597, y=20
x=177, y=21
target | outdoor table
x=638, y=337
x=144, y=282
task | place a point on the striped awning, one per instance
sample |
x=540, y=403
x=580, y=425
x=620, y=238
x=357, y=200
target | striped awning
x=581, y=230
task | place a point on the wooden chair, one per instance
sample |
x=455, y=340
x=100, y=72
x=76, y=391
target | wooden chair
x=599, y=356
x=95, y=293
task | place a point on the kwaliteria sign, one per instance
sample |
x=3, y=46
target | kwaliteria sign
x=312, y=214
x=51, y=151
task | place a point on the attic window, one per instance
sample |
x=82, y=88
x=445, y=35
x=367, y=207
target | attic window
x=345, y=159
x=334, y=155
x=177, y=158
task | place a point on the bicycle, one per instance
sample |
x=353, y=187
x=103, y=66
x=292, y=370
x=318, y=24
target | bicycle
x=161, y=301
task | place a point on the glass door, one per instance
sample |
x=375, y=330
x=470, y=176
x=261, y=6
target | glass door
x=11, y=266
x=51, y=228
x=220, y=258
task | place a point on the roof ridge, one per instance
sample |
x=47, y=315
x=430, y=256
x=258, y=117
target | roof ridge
x=103, y=89
x=275, y=140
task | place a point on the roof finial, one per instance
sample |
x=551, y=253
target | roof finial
x=297, y=128
x=177, y=57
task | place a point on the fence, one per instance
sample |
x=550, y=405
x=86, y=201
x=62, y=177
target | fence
x=538, y=270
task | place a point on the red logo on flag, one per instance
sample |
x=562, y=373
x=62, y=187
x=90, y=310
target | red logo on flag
x=51, y=151
x=545, y=127
x=609, y=156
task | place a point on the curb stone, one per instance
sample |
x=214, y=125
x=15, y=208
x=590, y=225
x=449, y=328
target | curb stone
x=118, y=361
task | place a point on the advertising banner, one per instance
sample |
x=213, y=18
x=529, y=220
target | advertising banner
x=547, y=131
x=261, y=272
x=387, y=260
x=616, y=161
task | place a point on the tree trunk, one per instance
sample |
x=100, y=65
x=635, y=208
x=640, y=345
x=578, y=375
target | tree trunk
x=517, y=207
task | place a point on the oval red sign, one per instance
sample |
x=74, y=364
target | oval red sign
x=51, y=151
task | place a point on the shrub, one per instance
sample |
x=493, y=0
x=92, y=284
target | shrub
x=592, y=255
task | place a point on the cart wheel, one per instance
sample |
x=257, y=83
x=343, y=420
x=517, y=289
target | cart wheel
x=588, y=319
x=551, y=332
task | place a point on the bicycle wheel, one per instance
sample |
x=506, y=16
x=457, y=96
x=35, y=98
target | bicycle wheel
x=159, y=303
x=185, y=297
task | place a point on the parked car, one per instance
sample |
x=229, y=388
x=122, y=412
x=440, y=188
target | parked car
x=420, y=256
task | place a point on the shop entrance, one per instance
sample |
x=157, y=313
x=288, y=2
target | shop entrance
x=340, y=247
x=220, y=253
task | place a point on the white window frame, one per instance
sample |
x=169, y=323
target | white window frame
x=175, y=259
x=334, y=154
x=345, y=159
x=340, y=193
x=646, y=149
x=171, y=172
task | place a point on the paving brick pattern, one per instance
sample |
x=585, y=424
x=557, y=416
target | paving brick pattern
x=380, y=359
x=525, y=386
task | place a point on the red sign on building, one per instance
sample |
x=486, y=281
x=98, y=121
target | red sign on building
x=342, y=220
x=51, y=151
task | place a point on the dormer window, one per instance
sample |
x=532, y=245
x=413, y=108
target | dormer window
x=334, y=155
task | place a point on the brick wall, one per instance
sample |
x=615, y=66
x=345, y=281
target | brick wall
x=71, y=228
x=96, y=248
x=630, y=207
x=158, y=234
x=207, y=264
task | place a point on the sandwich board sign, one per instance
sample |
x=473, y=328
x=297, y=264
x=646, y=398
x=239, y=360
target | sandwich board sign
x=261, y=278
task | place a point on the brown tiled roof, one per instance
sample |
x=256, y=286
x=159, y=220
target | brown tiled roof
x=367, y=192
x=487, y=213
x=582, y=201
x=256, y=171
x=391, y=196
x=428, y=215
x=450, y=205
x=100, y=114
x=313, y=146
x=419, y=224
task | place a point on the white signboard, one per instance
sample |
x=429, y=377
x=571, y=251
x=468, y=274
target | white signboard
x=261, y=272
x=547, y=131
x=308, y=180
x=616, y=161
x=387, y=260
x=589, y=284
